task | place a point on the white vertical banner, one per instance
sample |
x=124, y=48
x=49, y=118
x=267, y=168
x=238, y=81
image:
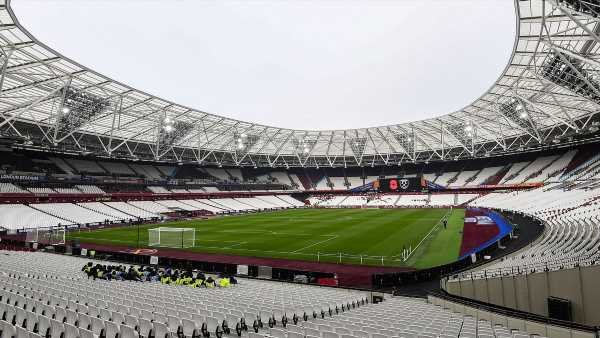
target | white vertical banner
x=242, y=270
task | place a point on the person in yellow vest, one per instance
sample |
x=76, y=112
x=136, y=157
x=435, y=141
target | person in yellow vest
x=165, y=279
x=209, y=282
x=224, y=282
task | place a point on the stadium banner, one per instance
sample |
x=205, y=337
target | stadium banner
x=499, y=186
x=405, y=184
x=9, y=177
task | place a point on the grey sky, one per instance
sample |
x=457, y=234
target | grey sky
x=296, y=64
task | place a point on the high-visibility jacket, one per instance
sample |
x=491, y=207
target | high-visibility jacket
x=224, y=282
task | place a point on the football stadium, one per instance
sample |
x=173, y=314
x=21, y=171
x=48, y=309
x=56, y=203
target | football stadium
x=124, y=214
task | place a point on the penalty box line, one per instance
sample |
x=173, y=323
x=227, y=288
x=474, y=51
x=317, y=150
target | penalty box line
x=317, y=243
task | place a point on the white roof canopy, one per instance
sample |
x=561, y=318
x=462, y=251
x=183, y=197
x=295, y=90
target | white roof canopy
x=548, y=95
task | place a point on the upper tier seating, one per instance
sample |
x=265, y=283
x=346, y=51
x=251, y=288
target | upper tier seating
x=296, y=179
x=555, y=168
x=512, y=172
x=484, y=175
x=147, y=171
x=237, y=174
x=444, y=178
x=537, y=165
x=323, y=184
x=62, y=165
x=281, y=177
x=462, y=178
x=339, y=183
x=431, y=177
x=355, y=182
x=211, y=189
x=117, y=168
x=218, y=173
x=167, y=171
x=587, y=170
x=85, y=166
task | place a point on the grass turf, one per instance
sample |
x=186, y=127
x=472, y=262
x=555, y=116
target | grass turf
x=315, y=234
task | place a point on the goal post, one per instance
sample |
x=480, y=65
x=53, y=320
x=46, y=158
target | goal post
x=46, y=236
x=172, y=237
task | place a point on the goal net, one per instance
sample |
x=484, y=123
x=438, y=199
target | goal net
x=46, y=236
x=172, y=237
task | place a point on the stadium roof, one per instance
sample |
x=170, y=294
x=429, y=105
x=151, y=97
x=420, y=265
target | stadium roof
x=548, y=95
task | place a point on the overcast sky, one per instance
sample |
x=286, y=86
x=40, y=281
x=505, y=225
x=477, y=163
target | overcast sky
x=297, y=64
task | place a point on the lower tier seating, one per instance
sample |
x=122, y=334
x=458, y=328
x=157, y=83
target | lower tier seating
x=47, y=295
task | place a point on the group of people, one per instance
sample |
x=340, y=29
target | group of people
x=168, y=276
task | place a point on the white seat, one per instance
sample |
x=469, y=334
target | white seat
x=71, y=331
x=329, y=334
x=8, y=330
x=56, y=328
x=22, y=332
x=85, y=333
x=128, y=332
x=111, y=329
x=161, y=330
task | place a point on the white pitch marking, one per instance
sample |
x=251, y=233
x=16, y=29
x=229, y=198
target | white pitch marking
x=320, y=242
x=234, y=245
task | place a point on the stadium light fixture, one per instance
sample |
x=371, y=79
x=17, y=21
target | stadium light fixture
x=66, y=110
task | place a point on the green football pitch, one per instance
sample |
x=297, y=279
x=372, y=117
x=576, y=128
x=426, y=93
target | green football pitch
x=350, y=236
